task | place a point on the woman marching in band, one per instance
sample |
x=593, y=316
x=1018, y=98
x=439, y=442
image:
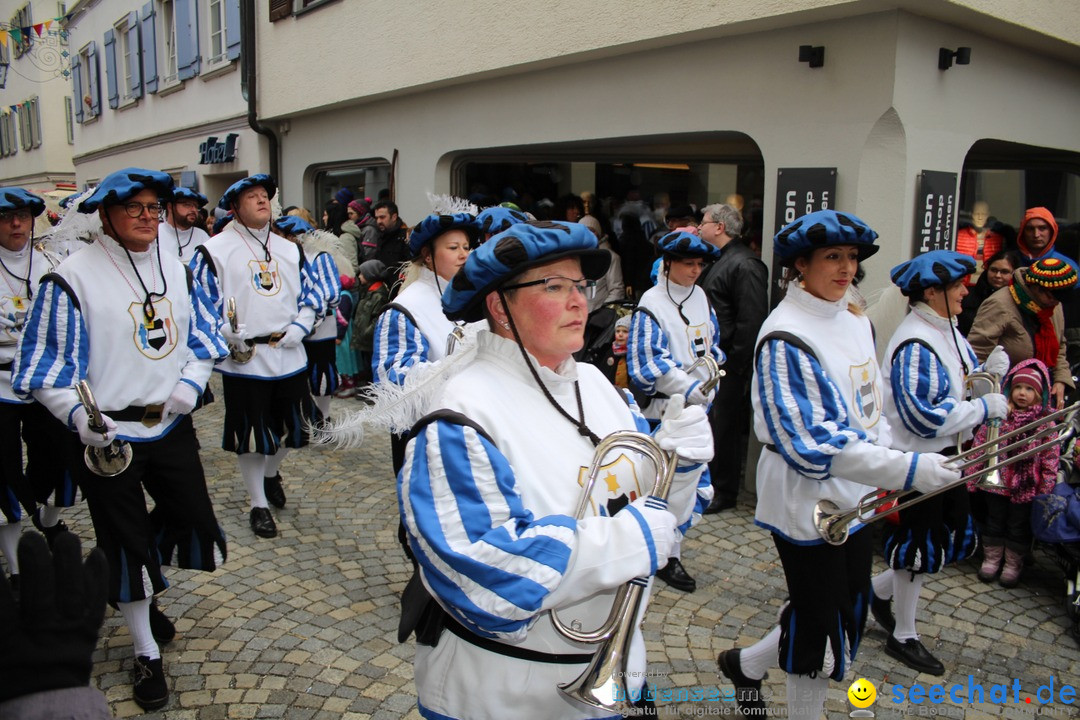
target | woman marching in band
x=817, y=392
x=924, y=403
x=490, y=507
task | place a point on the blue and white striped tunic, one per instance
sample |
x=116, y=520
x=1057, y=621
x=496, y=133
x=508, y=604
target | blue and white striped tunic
x=924, y=399
x=406, y=339
x=325, y=274
x=87, y=323
x=487, y=494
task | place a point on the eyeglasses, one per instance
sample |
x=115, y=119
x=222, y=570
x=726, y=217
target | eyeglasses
x=135, y=209
x=22, y=215
x=560, y=286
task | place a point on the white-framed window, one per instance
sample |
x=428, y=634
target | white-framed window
x=23, y=21
x=25, y=134
x=216, y=27
x=169, y=70
x=89, y=83
x=69, y=119
x=124, y=59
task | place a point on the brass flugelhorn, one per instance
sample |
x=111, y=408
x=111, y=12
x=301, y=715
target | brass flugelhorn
x=833, y=522
x=239, y=355
x=603, y=684
x=115, y=457
x=454, y=337
x=992, y=479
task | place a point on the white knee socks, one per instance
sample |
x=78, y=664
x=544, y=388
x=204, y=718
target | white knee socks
x=9, y=543
x=883, y=584
x=806, y=696
x=273, y=462
x=906, y=588
x=137, y=616
x=253, y=470
x=756, y=660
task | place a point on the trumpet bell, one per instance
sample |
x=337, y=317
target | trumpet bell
x=108, y=461
x=991, y=481
x=830, y=523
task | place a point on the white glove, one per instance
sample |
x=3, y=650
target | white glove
x=696, y=397
x=662, y=524
x=7, y=323
x=997, y=362
x=686, y=430
x=92, y=437
x=294, y=335
x=181, y=401
x=235, y=338
x=997, y=407
x=931, y=473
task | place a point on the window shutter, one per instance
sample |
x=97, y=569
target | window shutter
x=76, y=79
x=135, y=69
x=35, y=120
x=110, y=68
x=232, y=29
x=95, y=78
x=187, y=39
x=149, y=48
x=280, y=9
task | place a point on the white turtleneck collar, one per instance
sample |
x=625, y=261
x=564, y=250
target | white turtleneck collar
x=813, y=304
x=505, y=352
x=931, y=316
x=116, y=250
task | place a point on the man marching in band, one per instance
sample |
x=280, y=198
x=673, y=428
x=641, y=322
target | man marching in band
x=47, y=484
x=672, y=328
x=128, y=319
x=179, y=233
x=267, y=402
x=925, y=406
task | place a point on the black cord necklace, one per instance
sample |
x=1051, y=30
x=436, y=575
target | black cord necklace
x=578, y=422
x=264, y=243
x=148, y=295
x=183, y=245
x=29, y=269
x=678, y=305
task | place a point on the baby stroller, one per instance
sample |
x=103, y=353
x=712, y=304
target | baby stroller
x=1055, y=521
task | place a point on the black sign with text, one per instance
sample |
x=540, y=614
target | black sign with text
x=213, y=152
x=935, y=211
x=799, y=191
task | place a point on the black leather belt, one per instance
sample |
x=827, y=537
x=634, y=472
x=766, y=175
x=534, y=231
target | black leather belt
x=514, y=651
x=148, y=415
x=266, y=339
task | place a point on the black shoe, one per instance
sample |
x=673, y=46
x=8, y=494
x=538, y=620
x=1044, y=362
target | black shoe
x=274, y=492
x=262, y=522
x=882, y=611
x=719, y=503
x=50, y=533
x=161, y=626
x=675, y=575
x=747, y=691
x=150, y=691
x=915, y=655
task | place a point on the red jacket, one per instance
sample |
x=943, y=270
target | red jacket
x=967, y=242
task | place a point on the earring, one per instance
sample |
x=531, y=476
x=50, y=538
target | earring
x=506, y=325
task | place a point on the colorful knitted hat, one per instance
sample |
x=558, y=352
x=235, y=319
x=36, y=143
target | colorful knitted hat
x=1052, y=273
x=1029, y=376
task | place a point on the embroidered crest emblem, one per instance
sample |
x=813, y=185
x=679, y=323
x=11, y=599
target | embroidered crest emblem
x=617, y=486
x=265, y=279
x=155, y=337
x=865, y=393
x=699, y=340
x=13, y=308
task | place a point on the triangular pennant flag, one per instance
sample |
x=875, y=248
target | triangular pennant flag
x=38, y=28
x=48, y=24
x=16, y=35
x=15, y=109
x=3, y=37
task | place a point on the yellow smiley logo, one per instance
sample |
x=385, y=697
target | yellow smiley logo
x=862, y=693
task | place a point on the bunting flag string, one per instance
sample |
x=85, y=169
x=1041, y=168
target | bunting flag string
x=18, y=33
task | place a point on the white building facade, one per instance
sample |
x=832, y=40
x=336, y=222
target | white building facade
x=695, y=100
x=159, y=87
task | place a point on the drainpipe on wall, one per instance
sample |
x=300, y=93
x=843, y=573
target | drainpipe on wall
x=248, y=87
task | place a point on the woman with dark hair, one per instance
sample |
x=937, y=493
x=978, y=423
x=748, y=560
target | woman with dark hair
x=998, y=274
x=334, y=215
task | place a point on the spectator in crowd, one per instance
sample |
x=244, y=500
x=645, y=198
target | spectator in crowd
x=570, y=208
x=998, y=274
x=737, y=286
x=393, y=248
x=978, y=240
x=362, y=227
x=610, y=287
x=638, y=256
x=1038, y=233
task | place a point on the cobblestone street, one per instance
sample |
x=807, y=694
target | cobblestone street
x=304, y=626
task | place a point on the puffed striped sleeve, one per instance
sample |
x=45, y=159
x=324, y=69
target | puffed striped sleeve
x=55, y=347
x=205, y=343
x=311, y=295
x=202, y=267
x=805, y=413
x=717, y=353
x=326, y=275
x=398, y=346
x=492, y=564
x=649, y=362
x=925, y=399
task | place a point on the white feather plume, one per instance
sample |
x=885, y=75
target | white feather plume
x=75, y=230
x=398, y=408
x=448, y=205
x=320, y=241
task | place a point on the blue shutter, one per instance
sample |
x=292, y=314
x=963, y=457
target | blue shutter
x=95, y=77
x=187, y=38
x=232, y=28
x=134, y=55
x=149, y=48
x=110, y=68
x=76, y=79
